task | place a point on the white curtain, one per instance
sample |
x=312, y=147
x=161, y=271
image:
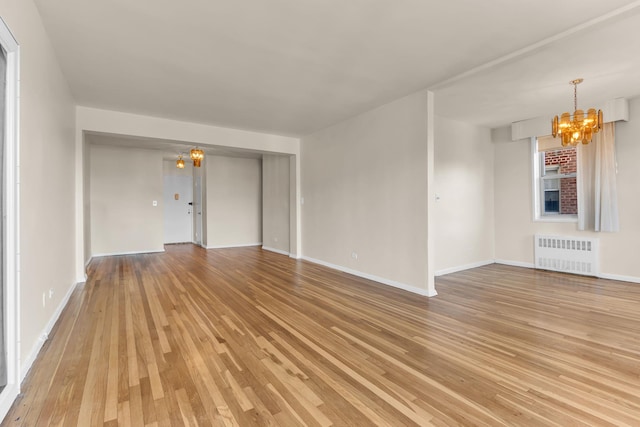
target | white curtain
x=597, y=190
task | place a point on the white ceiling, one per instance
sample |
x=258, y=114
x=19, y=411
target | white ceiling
x=292, y=67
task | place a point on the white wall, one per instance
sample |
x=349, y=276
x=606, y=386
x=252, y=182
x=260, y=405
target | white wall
x=275, y=202
x=123, y=184
x=464, y=226
x=513, y=203
x=46, y=179
x=513, y=211
x=234, y=201
x=364, y=184
x=620, y=250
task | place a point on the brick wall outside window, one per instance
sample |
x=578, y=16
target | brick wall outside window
x=566, y=159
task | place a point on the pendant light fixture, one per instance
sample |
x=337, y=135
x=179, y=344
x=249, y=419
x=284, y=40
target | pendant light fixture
x=196, y=155
x=576, y=128
x=180, y=162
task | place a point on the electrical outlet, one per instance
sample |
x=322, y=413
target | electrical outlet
x=354, y=255
x=44, y=299
x=50, y=293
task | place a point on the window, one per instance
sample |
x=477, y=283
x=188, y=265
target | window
x=551, y=188
x=554, y=181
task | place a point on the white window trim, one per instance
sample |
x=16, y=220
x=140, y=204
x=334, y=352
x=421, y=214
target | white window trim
x=12, y=220
x=536, y=190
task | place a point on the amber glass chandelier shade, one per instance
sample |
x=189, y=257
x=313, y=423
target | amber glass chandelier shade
x=180, y=162
x=576, y=128
x=196, y=155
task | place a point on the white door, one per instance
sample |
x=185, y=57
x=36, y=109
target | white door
x=178, y=211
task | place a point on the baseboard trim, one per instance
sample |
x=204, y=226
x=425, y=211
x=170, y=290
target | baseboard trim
x=463, y=267
x=150, y=251
x=244, y=245
x=26, y=364
x=619, y=278
x=393, y=283
x=8, y=397
x=278, y=251
x=515, y=263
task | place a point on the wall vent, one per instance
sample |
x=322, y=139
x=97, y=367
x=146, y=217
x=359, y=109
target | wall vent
x=567, y=254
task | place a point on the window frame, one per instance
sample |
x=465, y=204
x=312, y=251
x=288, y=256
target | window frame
x=538, y=190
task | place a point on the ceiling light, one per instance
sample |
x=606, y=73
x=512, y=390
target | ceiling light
x=196, y=155
x=577, y=128
x=180, y=162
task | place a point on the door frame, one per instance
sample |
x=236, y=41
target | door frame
x=198, y=204
x=11, y=276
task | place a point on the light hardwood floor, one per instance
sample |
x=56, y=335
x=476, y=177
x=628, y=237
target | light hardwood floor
x=246, y=337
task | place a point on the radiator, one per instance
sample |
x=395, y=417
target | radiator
x=576, y=255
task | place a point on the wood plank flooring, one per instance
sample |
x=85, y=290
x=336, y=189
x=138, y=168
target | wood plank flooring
x=245, y=337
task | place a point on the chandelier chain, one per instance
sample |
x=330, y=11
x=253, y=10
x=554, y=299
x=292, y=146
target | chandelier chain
x=575, y=84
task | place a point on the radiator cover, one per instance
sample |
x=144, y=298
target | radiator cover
x=567, y=254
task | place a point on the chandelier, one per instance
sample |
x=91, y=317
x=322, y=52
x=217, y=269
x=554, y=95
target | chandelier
x=579, y=127
x=196, y=155
x=180, y=162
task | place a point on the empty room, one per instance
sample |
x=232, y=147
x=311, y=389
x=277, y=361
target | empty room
x=320, y=213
